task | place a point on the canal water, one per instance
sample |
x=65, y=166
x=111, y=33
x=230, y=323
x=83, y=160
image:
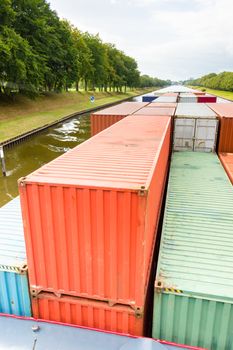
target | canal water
x=31, y=154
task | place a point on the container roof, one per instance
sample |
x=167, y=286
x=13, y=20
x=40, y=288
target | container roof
x=12, y=246
x=222, y=109
x=166, y=99
x=162, y=105
x=197, y=110
x=122, y=156
x=168, y=111
x=50, y=335
x=197, y=237
x=124, y=108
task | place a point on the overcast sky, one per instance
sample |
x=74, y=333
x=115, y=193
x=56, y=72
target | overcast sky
x=170, y=39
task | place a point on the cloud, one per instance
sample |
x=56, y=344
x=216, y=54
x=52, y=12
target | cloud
x=169, y=38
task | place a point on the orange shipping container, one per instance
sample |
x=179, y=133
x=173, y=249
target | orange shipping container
x=106, y=117
x=91, y=215
x=227, y=162
x=87, y=313
x=156, y=111
x=225, y=113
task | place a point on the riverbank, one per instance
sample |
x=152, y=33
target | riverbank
x=224, y=94
x=24, y=115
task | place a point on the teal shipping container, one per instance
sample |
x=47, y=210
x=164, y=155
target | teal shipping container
x=193, y=298
x=14, y=291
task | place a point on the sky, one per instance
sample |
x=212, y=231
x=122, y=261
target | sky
x=170, y=39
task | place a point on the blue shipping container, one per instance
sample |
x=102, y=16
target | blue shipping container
x=14, y=291
x=148, y=98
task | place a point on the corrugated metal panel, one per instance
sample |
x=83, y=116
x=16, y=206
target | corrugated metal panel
x=69, y=337
x=102, y=122
x=87, y=313
x=167, y=99
x=14, y=294
x=106, y=117
x=225, y=112
x=99, y=205
x=193, y=321
x=194, y=286
x=156, y=111
x=227, y=162
x=162, y=105
x=194, y=110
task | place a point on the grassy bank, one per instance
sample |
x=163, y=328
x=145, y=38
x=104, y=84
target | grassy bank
x=220, y=93
x=23, y=115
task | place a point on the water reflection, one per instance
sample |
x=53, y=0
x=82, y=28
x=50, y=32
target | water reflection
x=31, y=154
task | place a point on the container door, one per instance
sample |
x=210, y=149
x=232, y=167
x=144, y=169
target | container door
x=184, y=134
x=205, y=135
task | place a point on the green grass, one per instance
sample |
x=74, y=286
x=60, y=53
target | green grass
x=24, y=115
x=220, y=93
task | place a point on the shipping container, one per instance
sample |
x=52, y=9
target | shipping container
x=14, y=291
x=227, y=162
x=87, y=313
x=106, y=117
x=168, y=111
x=148, y=98
x=195, y=128
x=162, y=105
x=50, y=334
x=198, y=93
x=187, y=98
x=225, y=113
x=206, y=99
x=91, y=215
x=193, y=300
x=174, y=94
x=166, y=99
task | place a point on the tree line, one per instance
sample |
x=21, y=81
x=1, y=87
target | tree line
x=40, y=52
x=221, y=81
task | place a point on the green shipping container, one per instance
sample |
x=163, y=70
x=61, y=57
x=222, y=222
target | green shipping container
x=193, y=299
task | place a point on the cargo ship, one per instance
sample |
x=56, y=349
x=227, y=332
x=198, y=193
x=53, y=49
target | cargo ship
x=125, y=241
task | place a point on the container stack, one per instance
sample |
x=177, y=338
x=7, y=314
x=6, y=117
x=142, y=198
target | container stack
x=166, y=99
x=193, y=298
x=14, y=291
x=106, y=117
x=225, y=142
x=90, y=223
x=206, y=99
x=195, y=128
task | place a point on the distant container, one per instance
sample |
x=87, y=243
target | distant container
x=87, y=313
x=91, y=215
x=195, y=128
x=148, y=98
x=225, y=114
x=206, y=99
x=162, y=105
x=227, y=162
x=156, y=111
x=187, y=98
x=166, y=99
x=198, y=93
x=106, y=117
x=14, y=291
x=193, y=300
x=174, y=94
